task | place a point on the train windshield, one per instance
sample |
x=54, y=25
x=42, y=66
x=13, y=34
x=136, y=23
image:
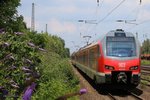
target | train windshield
x=120, y=47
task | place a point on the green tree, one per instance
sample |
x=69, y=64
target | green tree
x=9, y=19
x=146, y=47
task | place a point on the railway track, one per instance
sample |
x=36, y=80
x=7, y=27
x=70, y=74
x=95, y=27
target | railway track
x=110, y=95
x=135, y=95
x=100, y=93
x=145, y=68
x=145, y=73
x=145, y=79
x=125, y=94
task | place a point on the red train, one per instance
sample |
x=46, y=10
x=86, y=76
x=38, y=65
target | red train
x=115, y=58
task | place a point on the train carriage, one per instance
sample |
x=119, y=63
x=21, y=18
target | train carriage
x=113, y=59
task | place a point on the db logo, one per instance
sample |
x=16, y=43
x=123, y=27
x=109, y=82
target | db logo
x=122, y=65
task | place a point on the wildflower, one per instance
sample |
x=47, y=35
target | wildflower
x=14, y=84
x=9, y=56
x=2, y=30
x=26, y=69
x=18, y=33
x=6, y=44
x=31, y=44
x=28, y=61
x=13, y=67
x=83, y=91
x=28, y=92
x=41, y=49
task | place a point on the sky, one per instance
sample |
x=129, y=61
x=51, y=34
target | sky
x=73, y=20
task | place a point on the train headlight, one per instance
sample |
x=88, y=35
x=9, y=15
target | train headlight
x=109, y=67
x=134, y=68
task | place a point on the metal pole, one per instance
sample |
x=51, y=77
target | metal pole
x=46, y=28
x=32, y=18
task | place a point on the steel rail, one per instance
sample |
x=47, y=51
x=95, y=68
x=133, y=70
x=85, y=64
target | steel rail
x=110, y=95
x=145, y=73
x=136, y=96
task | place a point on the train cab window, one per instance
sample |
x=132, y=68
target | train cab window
x=120, y=47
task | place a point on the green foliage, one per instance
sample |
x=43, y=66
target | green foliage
x=9, y=18
x=57, y=45
x=14, y=53
x=145, y=62
x=57, y=78
x=20, y=52
x=146, y=47
x=57, y=75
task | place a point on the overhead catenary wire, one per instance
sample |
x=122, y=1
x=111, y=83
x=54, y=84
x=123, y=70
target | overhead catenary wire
x=111, y=11
x=91, y=22
x=135, y=25
x=108, y=14
x=132, y=20
x=99, y=6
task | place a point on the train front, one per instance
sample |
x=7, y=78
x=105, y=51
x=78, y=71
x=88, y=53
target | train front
x=121, y=58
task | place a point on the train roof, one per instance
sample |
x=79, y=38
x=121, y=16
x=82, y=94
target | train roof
x=88, y=46
x=112, y=33
x=119, y=32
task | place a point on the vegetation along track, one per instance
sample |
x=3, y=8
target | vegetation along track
x=145, y=71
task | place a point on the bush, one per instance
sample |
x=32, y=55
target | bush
x=19, y=61
x=22, y=58
x=57, y=78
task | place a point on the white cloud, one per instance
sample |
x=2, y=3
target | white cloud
x=56, y=10
x=145, y=2
x=144, y=15
x=57, y=26
x=27, y=21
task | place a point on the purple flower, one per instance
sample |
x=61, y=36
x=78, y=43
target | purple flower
x=15, y=85
x=6, y=44
x=26, y=69
x=9, y=56
x=13, y=67
x=28, y=61
x=18, y=33
x=83, y=91
x=31, y=44
x=41, y=49
x=3, y=90
x=2, y=30
x=28, y=92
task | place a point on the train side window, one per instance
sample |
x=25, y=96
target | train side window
x=93, y=55
x=84, y=58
